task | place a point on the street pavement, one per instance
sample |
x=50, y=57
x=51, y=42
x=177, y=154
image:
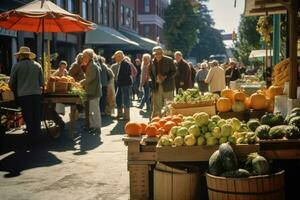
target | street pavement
x=89, y=168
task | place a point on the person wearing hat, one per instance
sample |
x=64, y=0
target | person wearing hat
x=162, y=74
x=124, y=84
x=234, y=72
x=26, y=81
x=215, y=78
x=62, y=69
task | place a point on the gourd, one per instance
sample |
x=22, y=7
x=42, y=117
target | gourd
x=263, y=132
x=223, y=104
x=228, y=157
x=133, y=129
x=239, y=96
x=214, y=164
x=228, y=93
x=258, y=101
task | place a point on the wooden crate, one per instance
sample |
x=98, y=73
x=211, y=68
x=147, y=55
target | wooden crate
x=211, y=110
x=198, y=153
x=242, y=116
x=267, y=187
x=57, y=87
x=280, y=148
x=174, y=184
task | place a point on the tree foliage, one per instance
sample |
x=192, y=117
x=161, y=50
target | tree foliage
x=248, y=39
x=180, y=29
x=209, y=39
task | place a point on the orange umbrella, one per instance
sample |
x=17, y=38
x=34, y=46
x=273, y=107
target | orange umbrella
x=43, y=16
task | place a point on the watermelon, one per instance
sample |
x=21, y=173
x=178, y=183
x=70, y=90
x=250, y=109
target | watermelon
x=263, y=132
x=228, y=157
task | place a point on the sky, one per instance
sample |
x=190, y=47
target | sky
x=225, y=15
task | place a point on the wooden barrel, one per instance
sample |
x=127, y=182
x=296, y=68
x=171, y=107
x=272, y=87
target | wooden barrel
x=266, y=187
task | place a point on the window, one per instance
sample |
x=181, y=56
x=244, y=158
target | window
x=84, y=9
x=105, y=12
x=91, y=10
x=127, y=17
x=146, y=6
x=146, y=30
x=71, y=6
x=100, y=17
x=60, y=3
x=113, y=14
x=122, y=21
x=131, y=19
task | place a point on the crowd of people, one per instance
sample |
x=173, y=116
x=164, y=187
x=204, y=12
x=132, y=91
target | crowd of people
x=152, y=80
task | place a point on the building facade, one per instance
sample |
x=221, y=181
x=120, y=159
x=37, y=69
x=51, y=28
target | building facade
x=150, y=18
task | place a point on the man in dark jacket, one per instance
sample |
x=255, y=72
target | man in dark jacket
x=162, y=74
x=183, y=74
x=124, y=82
x=235, y=72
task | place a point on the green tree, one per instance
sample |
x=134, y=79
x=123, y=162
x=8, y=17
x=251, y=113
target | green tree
x=180, y=28
x=248, y=39
x=209, y=39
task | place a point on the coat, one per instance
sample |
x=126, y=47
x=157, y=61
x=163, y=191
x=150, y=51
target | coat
x=76, y=72
x=183, y=74
x=168, y=69
x=93, y=81
x=216, y=79
x=124, y=74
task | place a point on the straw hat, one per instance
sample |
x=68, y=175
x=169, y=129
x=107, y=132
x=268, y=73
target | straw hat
x=117, y=53
x=26, y=50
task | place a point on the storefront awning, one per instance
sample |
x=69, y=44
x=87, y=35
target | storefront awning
x=104, y=35
x=260, y=53
x=260, y=7
x=145, y=43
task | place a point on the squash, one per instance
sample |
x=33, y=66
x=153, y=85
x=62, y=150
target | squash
x=263, y=132
x=238, y=173
x=161, y=131
x=214, y=164
x=274, y=91
x=143, y=125
x=133, y=129
x=228, y=157
x=239, y=96
x=253, y=124
x=292, y=132
x=177, y=120
x=168, y=125
x=228, y=93
x=258, y=101
x=238, y=106
x=162, y=122
x=277, y=132
x=295, y=110
x=247, y=103
x=151, y=131
x=258, y=164
x=295, y=121
x=223, y=104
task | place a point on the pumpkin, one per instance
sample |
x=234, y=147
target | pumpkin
x=258, y=101
x=168, y=118
x=238, y=106
x=162, y=122
x=151, y=131
x=247, y=103
x=143, y=125
x=239, y=96
x=270, y=105
x=169, y=125
x=274, y=91
x=177, y=120
x=161, y=131
x=180, y=115
x=228, y=93
x=155, y=119
x=133, y=129
x=223, y=104
x=156, y=124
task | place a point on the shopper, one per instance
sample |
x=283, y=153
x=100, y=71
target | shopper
x=62, y=69
x=215, y=78
x=162, y=74
x=28, y=90
x=144, y=83
x=124, y=84
x=75, y=70
x=183, y=72
x=200, y=78
x=92, y=85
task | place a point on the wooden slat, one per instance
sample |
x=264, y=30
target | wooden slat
x=268, y=9
x=148, y=148
x=162, y=185
x=142, y=156
x=281, y=154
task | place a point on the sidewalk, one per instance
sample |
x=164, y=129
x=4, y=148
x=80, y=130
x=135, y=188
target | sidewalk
x=88, y=169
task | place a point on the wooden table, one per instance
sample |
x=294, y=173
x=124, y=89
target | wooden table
x=73, y=100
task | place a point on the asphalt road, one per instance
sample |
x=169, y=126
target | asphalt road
x=89, y=168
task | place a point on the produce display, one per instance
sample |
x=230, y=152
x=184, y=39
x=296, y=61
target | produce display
x=4, y=87
x=280, y=73
x=224, y=162
x=192, y=97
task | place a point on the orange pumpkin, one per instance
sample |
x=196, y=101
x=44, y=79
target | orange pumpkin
x=169, y=125
x=239, y=96
x=161, y=131
x=228, y=93
x=180, y=115
x=177, y=120
x=275, y=91
x=247, y=103
x=151, y=131
x=258, y=101
x=162, y=122
x=156, y=124
x=223, y=104
x=143, y=125
x=270, y=107
x=155, y=119
x=133, y=129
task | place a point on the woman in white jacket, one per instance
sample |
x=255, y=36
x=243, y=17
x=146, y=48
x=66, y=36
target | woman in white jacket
x=215, y=78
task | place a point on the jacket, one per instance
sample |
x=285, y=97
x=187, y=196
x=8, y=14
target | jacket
x=76, y=72
x=183, y=75
x=26, y=78
x=93, y=81
x=216, y=79
x=124, y=74
x=167, y=69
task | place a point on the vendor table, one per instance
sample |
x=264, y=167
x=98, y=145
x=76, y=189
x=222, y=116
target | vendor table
x=73, y=100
